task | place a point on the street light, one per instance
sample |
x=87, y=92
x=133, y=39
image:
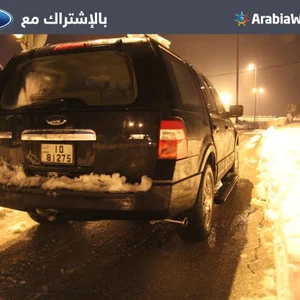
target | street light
x=226, y=99
x=30, y=41
x=259, y=90
x=252, y=67
x=18, y=36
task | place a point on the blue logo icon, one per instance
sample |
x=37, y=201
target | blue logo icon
x=241, y=19
x=5, y=18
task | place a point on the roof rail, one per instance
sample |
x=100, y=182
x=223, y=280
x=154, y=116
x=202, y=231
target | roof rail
x=159, y=39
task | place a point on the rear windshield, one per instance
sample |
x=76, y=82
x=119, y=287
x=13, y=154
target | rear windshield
x=97, y=78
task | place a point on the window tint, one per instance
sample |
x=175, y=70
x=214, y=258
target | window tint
x=186, y=85
x=97, y=78
x=206, y=90
x=219, y=104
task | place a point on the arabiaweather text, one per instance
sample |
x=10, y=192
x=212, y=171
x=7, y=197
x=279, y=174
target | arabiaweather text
x=288, y=19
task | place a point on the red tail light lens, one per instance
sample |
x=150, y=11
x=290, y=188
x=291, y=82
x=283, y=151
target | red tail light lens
x=172, y=140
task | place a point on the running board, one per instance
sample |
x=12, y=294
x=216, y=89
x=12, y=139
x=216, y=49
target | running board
x=224, y=191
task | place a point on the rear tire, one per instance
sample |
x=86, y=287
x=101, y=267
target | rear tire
x=200, y=218
x=46, y=217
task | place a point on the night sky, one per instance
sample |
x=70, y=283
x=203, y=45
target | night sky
x=277, y=58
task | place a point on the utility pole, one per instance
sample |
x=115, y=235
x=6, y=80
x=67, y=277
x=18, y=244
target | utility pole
x=237, y=72
x=255, y=93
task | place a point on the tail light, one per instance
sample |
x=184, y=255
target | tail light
x=172, y=140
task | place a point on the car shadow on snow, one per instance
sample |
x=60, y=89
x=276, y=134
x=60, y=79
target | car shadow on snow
x=127, y=260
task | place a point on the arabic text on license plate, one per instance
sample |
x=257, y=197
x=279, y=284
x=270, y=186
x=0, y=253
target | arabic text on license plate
x=57, y=153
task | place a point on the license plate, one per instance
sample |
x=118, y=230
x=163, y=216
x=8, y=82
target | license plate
x=57, y=154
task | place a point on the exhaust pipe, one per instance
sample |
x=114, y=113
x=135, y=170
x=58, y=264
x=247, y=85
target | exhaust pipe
x=183, y=223
x=50, y=214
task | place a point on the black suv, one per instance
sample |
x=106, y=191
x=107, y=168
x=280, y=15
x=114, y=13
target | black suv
x=114, y=129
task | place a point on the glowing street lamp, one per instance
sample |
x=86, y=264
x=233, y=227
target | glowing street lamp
x=21, y=39
x=30, y=41
x=226, y=99
x=18, y=36
x=259, y=90
x=251, y=67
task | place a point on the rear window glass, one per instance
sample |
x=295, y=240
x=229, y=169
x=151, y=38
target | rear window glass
x=97, y=78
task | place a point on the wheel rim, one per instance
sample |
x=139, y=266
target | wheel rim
x=207, y=201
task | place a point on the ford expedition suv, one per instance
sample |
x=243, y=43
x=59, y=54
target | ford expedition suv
x=114, y=129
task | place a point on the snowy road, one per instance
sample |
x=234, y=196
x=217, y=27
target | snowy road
x=125, y=260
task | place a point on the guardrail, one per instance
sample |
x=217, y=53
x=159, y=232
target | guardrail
x=263, y=122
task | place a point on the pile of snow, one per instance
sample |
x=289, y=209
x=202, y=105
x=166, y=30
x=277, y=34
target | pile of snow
x=279, y=184
x=4, y=212
x=14, y=175
x=97, y=183
x=18, y=228
x=246, y=125
x=252, y=142
x=12, y=224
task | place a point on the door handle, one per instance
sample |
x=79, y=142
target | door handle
x=215, y=128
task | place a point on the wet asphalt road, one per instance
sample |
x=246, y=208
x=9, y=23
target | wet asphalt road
x=127, y=260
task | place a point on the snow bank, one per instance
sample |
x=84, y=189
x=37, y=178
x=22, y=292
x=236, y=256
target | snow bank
x=18, y=228
x=4, y=211
x=97, y=183
x=15, y=176
x=279, y=168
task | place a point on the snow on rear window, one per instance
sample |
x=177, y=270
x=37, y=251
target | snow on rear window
x=15, y=176
x=96, y=78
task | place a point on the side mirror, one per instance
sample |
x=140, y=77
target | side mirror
x=236, y=111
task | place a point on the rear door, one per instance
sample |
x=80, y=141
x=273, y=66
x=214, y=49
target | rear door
x=219, y=127
x=230, y=135
x=80, y=112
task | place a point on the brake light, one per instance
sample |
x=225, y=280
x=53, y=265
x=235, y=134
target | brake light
x=172, y=140
x=72, y=46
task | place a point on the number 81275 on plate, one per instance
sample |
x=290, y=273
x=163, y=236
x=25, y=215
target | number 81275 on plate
x=57, y=154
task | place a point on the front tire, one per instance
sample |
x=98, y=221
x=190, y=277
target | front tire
x=200, y=218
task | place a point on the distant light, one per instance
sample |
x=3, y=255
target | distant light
x=225, y=98
x=259, y=90
x=131, y=124
x=251, y=67
x=140, y=124
x=18, y=36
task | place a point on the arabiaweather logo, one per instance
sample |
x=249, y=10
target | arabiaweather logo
x=241, y=19
x=5, y=18
x=271, y=19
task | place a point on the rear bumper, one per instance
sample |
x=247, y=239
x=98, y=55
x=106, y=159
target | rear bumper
x=153, y=204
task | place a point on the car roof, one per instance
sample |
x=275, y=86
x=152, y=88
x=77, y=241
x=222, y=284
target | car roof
x=130, y=38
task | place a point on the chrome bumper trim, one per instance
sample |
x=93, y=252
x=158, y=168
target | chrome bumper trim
x=59, y=135
x=5, y=135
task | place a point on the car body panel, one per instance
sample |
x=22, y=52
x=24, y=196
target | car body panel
x=121, y=138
